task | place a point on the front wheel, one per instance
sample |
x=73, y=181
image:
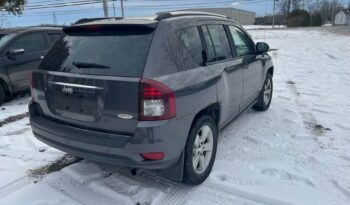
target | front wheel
x=265, y=96
x=200, y=150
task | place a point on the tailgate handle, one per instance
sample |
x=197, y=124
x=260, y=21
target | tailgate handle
x=75, y=85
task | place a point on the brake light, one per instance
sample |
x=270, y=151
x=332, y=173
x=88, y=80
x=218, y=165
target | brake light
x=152, y=156
x=156, y=101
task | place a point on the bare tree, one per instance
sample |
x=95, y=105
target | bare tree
x=12, y=6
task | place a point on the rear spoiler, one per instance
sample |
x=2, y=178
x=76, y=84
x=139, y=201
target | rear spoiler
x=122, y=27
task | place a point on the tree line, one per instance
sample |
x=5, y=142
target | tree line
x=303, y=12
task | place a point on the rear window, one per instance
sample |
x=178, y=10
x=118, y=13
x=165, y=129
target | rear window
x=117, y=51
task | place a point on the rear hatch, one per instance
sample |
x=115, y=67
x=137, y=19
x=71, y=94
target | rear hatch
x=90, y=78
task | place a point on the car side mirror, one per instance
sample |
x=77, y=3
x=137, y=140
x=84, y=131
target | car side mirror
x=11, y=54
x=262, y=48
x=205, y=57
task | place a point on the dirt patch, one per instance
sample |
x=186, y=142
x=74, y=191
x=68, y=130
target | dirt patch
x=318, y=129
x=55, y=166
x=291, y=82
x=14, y=118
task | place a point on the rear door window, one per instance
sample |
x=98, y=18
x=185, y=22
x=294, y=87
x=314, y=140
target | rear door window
x=243, y=44
x=190, y=39
x=117, y=51
x=210, y=47
x=29, y=42
x=220, y=42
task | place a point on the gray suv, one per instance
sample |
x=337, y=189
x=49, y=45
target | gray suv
x=149, y=93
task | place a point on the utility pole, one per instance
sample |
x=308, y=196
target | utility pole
x=113, y=8
x=105, y=8
x=122, y=7
x=273, y=15
x=54, y=18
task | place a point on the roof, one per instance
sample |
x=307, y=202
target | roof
x=147, y=20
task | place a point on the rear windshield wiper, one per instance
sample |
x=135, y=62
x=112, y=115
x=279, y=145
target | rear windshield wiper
x=89, y=65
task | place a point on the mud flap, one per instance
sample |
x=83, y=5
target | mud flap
x=176, y=172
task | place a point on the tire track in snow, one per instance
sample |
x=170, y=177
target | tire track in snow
x=15, y=186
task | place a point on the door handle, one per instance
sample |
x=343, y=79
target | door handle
x=41, y=57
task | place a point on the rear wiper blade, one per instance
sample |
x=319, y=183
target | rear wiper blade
x=89, y=65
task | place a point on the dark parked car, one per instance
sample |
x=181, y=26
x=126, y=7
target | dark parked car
x=21, y=51
x=149, y=93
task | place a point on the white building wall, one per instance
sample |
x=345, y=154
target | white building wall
x=341, y=18
x=241, y=16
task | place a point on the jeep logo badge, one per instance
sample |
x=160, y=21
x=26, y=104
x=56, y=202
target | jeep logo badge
x=67, y=90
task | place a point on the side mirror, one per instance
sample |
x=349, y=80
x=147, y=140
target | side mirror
x=262, y=48
x=11, y=54
x=205, y=57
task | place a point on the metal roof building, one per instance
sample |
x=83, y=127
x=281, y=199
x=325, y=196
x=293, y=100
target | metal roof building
x=241, y=16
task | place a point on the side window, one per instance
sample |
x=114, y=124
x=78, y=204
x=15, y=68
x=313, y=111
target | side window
x=53, y=37
x=210, y=47
x=190, y=39
x=220, y=41
x=242, y=42
x=29, y=42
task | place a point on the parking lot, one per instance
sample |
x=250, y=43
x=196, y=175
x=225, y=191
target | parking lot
x=295, y=153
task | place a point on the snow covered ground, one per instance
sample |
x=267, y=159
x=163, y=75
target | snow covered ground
x=298, y=152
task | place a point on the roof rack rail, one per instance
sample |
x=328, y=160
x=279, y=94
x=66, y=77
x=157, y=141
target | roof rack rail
x=87, y=20
x=172, y=14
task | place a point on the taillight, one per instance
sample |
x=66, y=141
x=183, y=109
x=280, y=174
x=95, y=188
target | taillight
x=156, y=101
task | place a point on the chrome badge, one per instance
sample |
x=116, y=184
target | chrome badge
x=67, y=90
x=125, y=116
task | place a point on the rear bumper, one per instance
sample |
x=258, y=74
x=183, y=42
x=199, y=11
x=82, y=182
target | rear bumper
x=121, y=150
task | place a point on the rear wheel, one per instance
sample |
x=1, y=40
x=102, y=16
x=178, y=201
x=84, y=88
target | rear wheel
x=2, y=94
x=265, y=96
x=200, y=150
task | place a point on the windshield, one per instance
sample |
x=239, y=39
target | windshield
x=118, y=52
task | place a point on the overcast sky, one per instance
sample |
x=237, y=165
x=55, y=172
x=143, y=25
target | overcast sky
x=66, y=15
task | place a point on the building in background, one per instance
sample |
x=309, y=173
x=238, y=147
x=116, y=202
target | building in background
x=241, y=16
x=342, y=17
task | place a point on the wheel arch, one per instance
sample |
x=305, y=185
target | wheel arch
x=270, y=70
x=212, y=110
x=5, y=85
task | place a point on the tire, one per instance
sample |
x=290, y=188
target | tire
x=195, y=151
x=2, y=94
x=265, y=96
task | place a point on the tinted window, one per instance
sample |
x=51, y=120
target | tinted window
x=190, y=39
x=242, y=42
x=210, y=48
x=29, y=42
x=53, y=37
x=220, y=41
x=118, y=52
